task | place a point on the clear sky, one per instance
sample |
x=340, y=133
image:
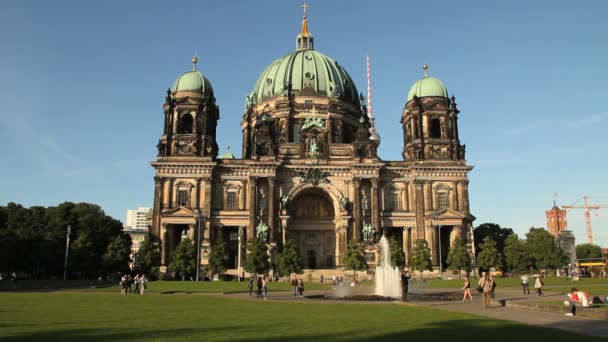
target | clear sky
x=82, y=84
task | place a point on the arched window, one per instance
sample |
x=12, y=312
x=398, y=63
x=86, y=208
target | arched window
x=435, y=128
x=185, y=124
x=183, y=195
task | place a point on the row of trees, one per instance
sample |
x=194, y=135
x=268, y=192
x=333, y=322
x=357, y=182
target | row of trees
x=33, y=241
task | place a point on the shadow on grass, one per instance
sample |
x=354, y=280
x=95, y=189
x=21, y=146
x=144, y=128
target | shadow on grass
x=451, y=330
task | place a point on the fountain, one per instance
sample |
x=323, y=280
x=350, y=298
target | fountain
x=388, y=277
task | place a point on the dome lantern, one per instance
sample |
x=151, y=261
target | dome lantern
x=427, y=86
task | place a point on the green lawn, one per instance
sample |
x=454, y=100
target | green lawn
x=91, y=317
x=155, y=286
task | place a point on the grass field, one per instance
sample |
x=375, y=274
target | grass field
x=102, y=316
x=557, y=284
x=154, y=286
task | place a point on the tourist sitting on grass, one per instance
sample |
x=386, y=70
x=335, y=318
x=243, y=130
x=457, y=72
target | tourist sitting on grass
x=576, y=299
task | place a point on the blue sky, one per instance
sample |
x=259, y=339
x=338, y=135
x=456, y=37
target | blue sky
x=82, y=84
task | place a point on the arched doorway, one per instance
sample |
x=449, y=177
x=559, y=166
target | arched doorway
x=312, y=228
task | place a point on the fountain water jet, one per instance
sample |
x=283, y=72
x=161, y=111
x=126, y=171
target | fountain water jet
x=388, y=277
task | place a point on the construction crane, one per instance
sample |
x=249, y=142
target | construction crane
x=587, y=207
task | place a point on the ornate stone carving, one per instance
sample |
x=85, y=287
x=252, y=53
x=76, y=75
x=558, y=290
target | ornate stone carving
x=313, y=121
x=262, y=230
x=314, y=177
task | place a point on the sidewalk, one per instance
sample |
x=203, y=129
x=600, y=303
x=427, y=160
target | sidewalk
x=581, y=325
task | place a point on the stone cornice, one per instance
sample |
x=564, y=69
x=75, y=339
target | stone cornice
x=183, y=168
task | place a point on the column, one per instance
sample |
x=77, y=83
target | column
x=251, y=193
x=206, y=206
x=428, y=200
x=419, y=200
x=406, y=244
x=163, y=245
x=157, y=206
x=433, y=243
x=455, y=198
x=166, y=192
x=465, y=196
x=271, y=212
x=357, y=222
x=375, y=207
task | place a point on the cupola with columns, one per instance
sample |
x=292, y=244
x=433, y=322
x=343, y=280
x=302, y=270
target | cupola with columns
x=191, y=117
x=430, y=123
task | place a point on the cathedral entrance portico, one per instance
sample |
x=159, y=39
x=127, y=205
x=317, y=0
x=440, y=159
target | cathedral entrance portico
x=312, y=227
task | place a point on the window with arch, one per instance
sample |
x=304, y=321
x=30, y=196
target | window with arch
x=186, y=124
x=295, y=136
x=391, y=199
x=183, y=195
x=434, y=128
x=232, y=199
x=442, y=197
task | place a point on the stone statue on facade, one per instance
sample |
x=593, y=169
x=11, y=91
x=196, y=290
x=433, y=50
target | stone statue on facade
x=284, y=201
x=313, y=147
x=368, y=232
x=262, y=231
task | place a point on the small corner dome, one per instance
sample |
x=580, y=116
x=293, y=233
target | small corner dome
x=427, y=86
x=227, y=155
x=192, y=81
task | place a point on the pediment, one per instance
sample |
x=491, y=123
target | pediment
x=179, y=212
x=446, y=213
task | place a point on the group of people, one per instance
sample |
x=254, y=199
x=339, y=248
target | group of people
x=297, y=286
x=262, y=286
x=538, y=284
x=127, y=281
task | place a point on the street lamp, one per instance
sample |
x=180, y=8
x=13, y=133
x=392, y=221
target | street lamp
x=198, y=217
x=67, y=251
x=238, y=258
x=440, y=263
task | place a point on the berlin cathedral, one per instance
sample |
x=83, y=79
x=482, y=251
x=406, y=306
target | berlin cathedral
x=309, y=169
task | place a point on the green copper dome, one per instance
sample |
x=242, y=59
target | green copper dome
x=227, y=155
x=308, y=71
x=427, y=86
x=192, y=81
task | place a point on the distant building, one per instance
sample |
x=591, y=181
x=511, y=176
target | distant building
x=556, y=220
x=137, y=237
x=566, y=241
x=136, y=219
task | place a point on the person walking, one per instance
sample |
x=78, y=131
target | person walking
x=250, y=285
x=538, y=285
x=294, y=286
x=525, y=283
x=321, y=279
x=492, y=294
x=467, y=289
x=405, y=277
x=123, y=285
x=259, y=293
x=300, y=285
x=485, y=282
x=143, y=283
x=137, y=284
x=264, y=287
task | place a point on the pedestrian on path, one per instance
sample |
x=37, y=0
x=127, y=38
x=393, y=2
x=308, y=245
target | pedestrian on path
x=264, y=287
x=300, y=283
x=467, y=289
x=525, y=283
x=538, y=285
x=485, y=282
x=259, y=293
x=294, y=286
x=250, y=285
x=405, y=277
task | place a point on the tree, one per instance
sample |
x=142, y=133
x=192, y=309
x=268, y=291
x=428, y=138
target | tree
x=458, y=257
x=118, y=256
x=516, y=255
x=544, y=250
x=147, y=258
x=218, y=258
x=497, y=233
x=397, y=256
x=257, y=260
x=289, y=261
x=183, y=259
x=354, y=259
x=588, y=251
x=82, y=255
x=488, y=255
x=420, y=257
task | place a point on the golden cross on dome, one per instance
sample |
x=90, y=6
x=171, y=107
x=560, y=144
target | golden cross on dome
x=194, y=60
x=305, y=7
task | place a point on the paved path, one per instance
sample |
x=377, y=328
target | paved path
x=581, y=325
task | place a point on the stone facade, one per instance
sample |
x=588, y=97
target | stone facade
x=309, y=172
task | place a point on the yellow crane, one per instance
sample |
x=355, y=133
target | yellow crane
x=587, y=207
